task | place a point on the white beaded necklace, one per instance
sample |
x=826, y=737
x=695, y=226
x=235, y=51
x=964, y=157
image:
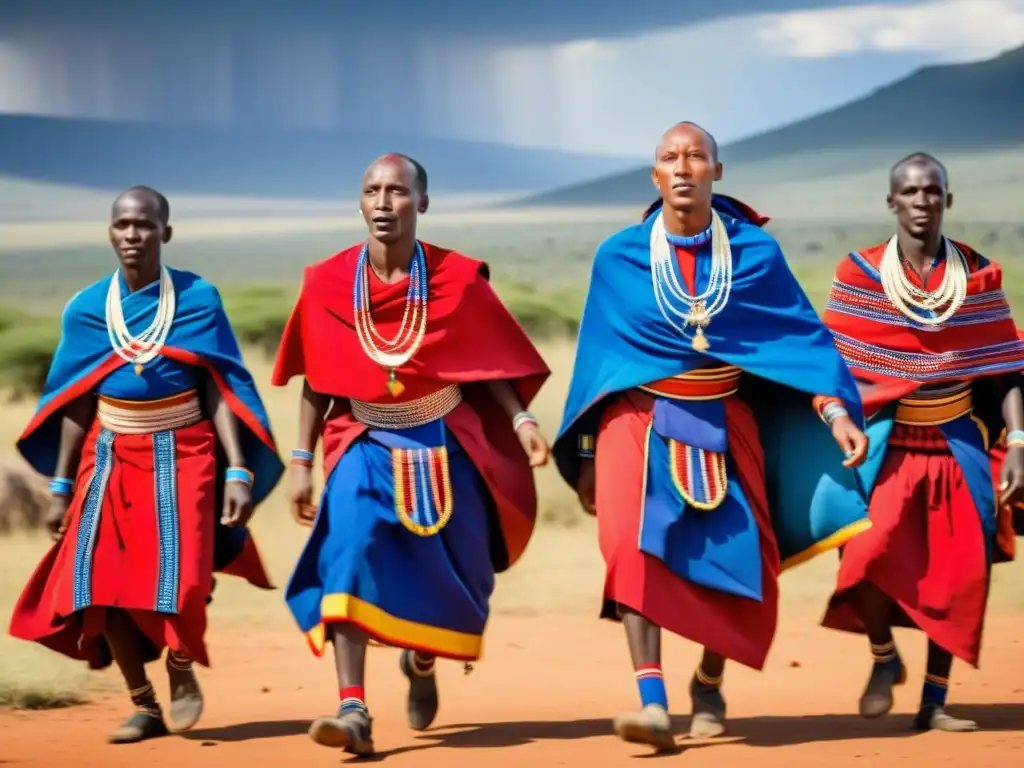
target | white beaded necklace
x=668, y=292
x=146, y=346
x=951, y=293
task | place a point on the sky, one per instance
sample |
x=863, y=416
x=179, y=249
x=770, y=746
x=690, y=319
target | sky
x=559, y=75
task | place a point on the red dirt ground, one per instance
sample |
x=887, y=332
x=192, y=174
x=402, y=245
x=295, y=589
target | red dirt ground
x=544, y=696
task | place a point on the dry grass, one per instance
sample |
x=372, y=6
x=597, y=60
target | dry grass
x=561, y=571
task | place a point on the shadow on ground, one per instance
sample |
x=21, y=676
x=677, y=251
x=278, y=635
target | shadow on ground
x=755, y=731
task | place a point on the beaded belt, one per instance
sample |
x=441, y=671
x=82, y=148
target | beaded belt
x=144, y=417
x=412, y=413
x=701, y=384
x=925, y=411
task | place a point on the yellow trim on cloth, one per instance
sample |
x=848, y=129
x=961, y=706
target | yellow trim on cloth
x=836, y=540
x=391, y=630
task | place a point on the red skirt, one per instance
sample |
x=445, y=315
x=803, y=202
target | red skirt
x=925, y=548
x=140, y=538
x=735, y=627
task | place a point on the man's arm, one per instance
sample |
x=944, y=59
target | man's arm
x=76, y=418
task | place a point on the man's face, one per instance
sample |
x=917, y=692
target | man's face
x=137, y=231
x=685, y=168
x=390, y=200
x=919, y=199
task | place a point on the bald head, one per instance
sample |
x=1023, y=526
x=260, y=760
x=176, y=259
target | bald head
x=145, y=198
x=673, y=134
x=922, y=160
x=418, y=172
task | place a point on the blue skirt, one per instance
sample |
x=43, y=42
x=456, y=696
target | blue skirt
x=400, y=546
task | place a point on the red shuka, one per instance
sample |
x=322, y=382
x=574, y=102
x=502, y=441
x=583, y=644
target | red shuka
x=922, y=512
x=46, y=611
x=470, y=338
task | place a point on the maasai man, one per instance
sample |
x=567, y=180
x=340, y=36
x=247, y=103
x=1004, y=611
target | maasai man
x=675, y=430
x=418, y=379
x=925, y=327
x=152, y=429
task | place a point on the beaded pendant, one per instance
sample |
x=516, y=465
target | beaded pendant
x=395, y=387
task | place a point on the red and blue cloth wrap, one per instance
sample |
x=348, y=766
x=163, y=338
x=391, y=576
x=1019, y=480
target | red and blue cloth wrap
x=200, y=344
x=363, y=563
x=933, y=562
x=770, y=332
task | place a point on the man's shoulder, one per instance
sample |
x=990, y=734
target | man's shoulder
x=626, y=238
x=752, y=246
x=337, y=262
x=745, y=233
x=195, y=286
x=89, y=300
x=975, y=259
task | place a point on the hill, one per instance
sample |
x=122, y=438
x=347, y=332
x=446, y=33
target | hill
x=252, y=161
x=828, y=164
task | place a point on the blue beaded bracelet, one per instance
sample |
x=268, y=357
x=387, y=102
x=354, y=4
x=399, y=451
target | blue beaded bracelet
x=61, y=486
x=238, y=475
x=1016, y=435
x=302, y=455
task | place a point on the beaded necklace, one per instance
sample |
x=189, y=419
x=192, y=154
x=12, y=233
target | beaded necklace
x=146, y=346
x=698, y=310
x=906, y=297
x=395, y=352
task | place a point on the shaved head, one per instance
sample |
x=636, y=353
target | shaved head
x=394, y=195
x=897, y=174
x=686, y=125
x=146, y=196
x=418, y=171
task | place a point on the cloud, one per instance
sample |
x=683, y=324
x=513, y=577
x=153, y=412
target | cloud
x=955, y=30
x=506, y=23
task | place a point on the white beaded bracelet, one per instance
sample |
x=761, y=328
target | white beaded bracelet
x=833, y=411
x=522, y=418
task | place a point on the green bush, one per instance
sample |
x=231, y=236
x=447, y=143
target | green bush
x=26, y=348
x=258, y=315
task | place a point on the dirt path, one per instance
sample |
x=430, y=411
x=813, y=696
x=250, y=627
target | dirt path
x=544, y=696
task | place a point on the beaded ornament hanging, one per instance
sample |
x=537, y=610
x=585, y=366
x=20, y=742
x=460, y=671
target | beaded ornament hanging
x=697, y=310
x=395, y=352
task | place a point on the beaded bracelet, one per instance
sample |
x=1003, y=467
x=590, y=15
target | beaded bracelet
x=833, y=411
x=61, y=486
x=238, y=475
x=302, y=458
x=523, y=418
x=1015, y=438
x=585, y=446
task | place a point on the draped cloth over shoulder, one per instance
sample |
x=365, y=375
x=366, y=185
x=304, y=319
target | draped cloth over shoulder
x=159, y=493
x=428, y=592
x=934, y=395
x=708, y=575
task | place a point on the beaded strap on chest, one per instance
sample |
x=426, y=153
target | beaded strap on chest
x=413, y=413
